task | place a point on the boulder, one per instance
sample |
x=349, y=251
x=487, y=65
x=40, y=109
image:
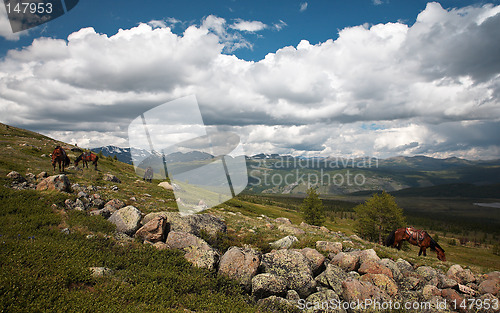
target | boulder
x=42, y=175
x=356, y=290
x=490, y=286
x=100, y=271
x=328, y=246
x=284, y=243
x=383, y=282
x=452, y=296
x=404, y=266
x=16, y=176
x=332, y=278
x=240, y=264
x=426, y=272
x=489, y=298
x=322, y=301
x=345, y=261
x=493, y=275
x=154, y=231
x=206, y=223
x=56, y=182
x=462, y=276
x=276, y=304
x=430, y=291
x=315, y=258
x=126, y=220
x=390, y=264
x=166, y=185
x=197, y=251
x=266, y=284
x=292, y=230
x=366, y=255
x=111, y=178
x=114, y=205
x=444, y=282
x=293, y=266
x=283, y=220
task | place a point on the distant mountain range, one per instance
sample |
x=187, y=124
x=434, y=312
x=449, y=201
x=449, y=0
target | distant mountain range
x=267, y=172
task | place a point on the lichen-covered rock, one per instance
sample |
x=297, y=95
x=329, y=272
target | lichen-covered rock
x=126, y=219
x=240, y=264
x=426, y=272
x=373, y=267
x=383, y=282
x=283, y=220
x=452, y=295
x=332, y=278
x=292, y=230
x=489, y=298
x=197, y=251
x=462, y=276
x=284, y=243
x=16, y=176
x=328, y=246
x=154, y=231
x=266, y=284
x=430, y=291
x=315, y=258
x=390, y=264
x=404, y=266
x=444, y=282
x=345, y=261
x=356, y=290
x=277, y=304
x=56, y=182
x=293, y=266
x=100, y=271
x=490, y=286
x=111, y=178
x=322, y=301
x=113, y=205
x=366, y=255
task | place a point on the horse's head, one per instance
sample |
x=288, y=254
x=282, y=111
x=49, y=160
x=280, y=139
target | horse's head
x=440, y=255
x=78, y=159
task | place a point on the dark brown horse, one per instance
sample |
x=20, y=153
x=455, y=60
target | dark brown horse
x=87, y=157
x=416, y=237
x=59, y=156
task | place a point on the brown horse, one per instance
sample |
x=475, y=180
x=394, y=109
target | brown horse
x=416, y=237
x=59, y=156
x=87, y=157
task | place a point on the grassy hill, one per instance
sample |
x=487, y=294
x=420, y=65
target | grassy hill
x=44, y=269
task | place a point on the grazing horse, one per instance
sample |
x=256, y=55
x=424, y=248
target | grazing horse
x=148, y=175
x=59, y=156
x=416, y=237
x=87, y=157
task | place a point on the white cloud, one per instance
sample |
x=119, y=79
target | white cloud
x=303, y=6
x=280, y=25
x=5, y=28
x=427, y=94
x=248, y=26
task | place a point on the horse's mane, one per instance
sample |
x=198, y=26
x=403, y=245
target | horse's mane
x=435, y=245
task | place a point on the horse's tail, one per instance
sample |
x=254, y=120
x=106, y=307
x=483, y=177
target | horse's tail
x=389, y=241
x=67, y=161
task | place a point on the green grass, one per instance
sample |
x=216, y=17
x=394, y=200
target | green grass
x=45, y=270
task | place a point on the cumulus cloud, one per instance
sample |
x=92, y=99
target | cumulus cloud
x=430, y=88
x=248, y=26
x=303, y=6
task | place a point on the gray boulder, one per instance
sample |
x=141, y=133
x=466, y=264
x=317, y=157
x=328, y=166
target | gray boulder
x=111, y=178
x=266, y=284
x=328, y=246
x=293, y=266
x=56, y=182
x=323, y=301
x=196, y=250
x=154, y=231
x=240, y=264
x=284, y=243
x=332, y=278
x=126, y=219
x=347, y=262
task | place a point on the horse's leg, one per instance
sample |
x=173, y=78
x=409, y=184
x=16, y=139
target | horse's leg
x=420, y=252
x=399, y=245
x=425, y=254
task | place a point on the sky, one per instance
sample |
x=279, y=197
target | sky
x=353, y=78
